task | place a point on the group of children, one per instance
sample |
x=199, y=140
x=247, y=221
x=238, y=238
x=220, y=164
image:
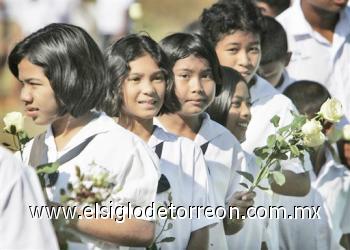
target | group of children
x=180, y=118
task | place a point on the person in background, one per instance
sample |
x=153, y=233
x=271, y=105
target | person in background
x=319, y=39
x=330, y=183
x=274, y=55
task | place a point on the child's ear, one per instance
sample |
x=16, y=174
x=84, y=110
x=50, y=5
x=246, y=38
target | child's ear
x=288, y=57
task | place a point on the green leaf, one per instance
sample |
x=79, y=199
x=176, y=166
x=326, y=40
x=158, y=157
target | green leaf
x=48, y=168
x=167, y=239
x=170, y=226
x=284, y=129
x=244, y=185
x=295, y=151
x=13, y=130
x=298, y=122
x=275, y=121
x=152, y=247
x=262, y=188
x=278, y=177
x=246, y=175
x=271, y=141
x=262, y=152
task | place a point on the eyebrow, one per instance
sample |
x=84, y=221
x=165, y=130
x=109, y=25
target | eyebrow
x=29, y=79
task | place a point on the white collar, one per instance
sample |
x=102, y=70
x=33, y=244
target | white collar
x=101, y=124
x=261, y=89
x=209, y=130
x=302, y=27
x=159, y=135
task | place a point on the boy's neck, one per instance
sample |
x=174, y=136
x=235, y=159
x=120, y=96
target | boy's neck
x=67, y=126
x=141, y=127
x=318, y=159
x=186, y=126
x=322, y=21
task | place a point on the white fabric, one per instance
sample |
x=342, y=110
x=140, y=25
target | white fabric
x=115, y=149
x=183, y=164
x=223, y=157
x=111, y=15
x=331, y=191
x=252, y=233
x=287, y=80
x=19, y=189
x=314, y=57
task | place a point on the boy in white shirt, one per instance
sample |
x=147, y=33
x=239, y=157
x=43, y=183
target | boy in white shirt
x=330, y=186
x=62, y=73
x=274, y=55
x=235, y=30
x=318, y=37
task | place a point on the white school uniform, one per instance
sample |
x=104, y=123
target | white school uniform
x=252, y=233
x=115, y=149
x=19, y=189
x=314, y=57
x=183, y=164
x=223, y=157
x=267, y=102
x=331, y=191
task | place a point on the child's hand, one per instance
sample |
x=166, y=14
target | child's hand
x=242, y=200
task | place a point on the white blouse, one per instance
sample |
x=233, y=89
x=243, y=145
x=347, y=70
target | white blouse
x=116, y=149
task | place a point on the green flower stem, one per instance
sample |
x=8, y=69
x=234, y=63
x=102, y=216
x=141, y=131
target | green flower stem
x=20, y=146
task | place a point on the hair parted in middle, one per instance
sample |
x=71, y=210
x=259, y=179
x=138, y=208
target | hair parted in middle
x=117, y=58
x=181, y=45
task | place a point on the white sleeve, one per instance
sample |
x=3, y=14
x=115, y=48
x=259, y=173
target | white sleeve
x=19, y=190
x=139, y=178
x=345, y=221
x=239, y=162
x=203, y=192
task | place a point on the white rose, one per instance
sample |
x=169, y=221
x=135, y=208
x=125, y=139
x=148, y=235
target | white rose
x=332, y=110
x=14, y=119
x=346, y=132
x=311, y=127
x=314, y=140
x=135, y=11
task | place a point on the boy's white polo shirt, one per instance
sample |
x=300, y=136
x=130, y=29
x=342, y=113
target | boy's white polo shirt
x=315, y=58
x=183, y=164
x=223, y=157
x=116, y=149
x=331, y=191
x=19, y=189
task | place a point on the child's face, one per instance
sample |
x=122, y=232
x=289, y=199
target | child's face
x=37, y=94
x=240, y=51
x=239, y=114
x=144, y=88
x=194, y=85
x=272, y=71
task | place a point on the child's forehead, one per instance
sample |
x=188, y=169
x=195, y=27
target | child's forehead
x=238, y=36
